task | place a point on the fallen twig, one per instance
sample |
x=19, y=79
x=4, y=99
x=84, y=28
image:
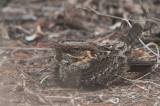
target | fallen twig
x=148, y=48
x=123, y=19
x=157, y=54
x=40, y=96
x=62, y=97
x=111, y=16
x=25, y=74
x=139, y=81
x=17, y=48
x=44, y=79
x=22, y=29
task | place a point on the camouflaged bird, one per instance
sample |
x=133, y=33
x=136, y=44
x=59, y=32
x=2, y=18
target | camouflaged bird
x=87, y=65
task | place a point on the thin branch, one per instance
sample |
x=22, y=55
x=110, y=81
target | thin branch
x=98, y=13
x=145, y=75
x=141, y=87
x=155, y=19
x=125, y=19
x=148, y=48
x=153, y=44
x=62, y=97
x=111, y=16
x=98, y=40
x=34, y=58
x=40, y=96
x=23, y=29
x=139, y=81
x=17, y=48
x=143, y=9
x=44, y=79
x=157, y=54
x=25, y=74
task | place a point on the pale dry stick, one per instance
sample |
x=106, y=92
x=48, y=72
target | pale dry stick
x=61, y=89
x=107, y=15
x=17, y=48
x=157, y=54
x=10, y=59
x=44, y=79
x=155, y=19
x=34, y=58
x=126, y=20
x=145, y=74
x=146, y=13
x=25, y=74
x=63, y=97
x=114, y=32
x=21, y=71
x=40, y=96
x=105, y=37
x=148, y=48
x=141, y=87
x=139, y=81
x=20, y=48
x=123, y=19
x=153, y=44
x=22, y=29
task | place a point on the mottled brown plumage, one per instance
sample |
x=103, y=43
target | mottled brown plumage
x=87, y=65
x=81, y=64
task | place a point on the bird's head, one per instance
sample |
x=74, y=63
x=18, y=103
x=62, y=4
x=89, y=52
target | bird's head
x=75, y=52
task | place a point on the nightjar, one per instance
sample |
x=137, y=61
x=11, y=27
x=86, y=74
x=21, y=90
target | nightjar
x=87, y=65
x=81, y=64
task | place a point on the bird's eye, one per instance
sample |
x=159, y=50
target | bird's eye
x=74, y=49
